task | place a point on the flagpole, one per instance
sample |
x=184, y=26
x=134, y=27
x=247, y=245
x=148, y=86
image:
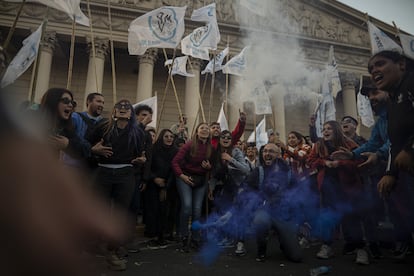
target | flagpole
x=33, y=79
x=212, y=85
x=72, y=50
x=13, y=27
x=170, y=67
x=200, y=107
x=397, y=30
x=166, y=85
x=255, y=123
x=93, y=45
x=111, y=40
x=227, y=81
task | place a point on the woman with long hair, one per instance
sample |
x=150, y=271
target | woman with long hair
x=161, y=180
x=56, y=109
x=191, y=166
x=341, y=191
x=115, y=174
x=296, y=153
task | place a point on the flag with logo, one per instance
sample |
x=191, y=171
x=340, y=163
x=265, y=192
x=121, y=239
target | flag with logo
x=256, y=6
x=153, y=103
x=261, y=135
x=216, y=62
x=190, y=45
x=179, y=67
x=209, y=36
x=160, y=28
x=261, y=100
x=70, y=7
x=222, y=119
x=24, y=58
x=326, y=108
x=407, y=42
x=364, y=108
x=380, y=41
x=236, y=65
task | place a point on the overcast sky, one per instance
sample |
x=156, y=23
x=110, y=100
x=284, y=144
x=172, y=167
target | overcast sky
x=399, y=11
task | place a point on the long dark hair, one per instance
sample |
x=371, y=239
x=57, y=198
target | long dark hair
x=49, y=107
x=135, y=133
x=339, y=140
x=159, y=143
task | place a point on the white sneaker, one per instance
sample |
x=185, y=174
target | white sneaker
x=362, y=257
x=240, y=250
x=325, y=252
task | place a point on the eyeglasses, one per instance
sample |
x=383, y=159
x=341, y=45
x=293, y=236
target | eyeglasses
x=67, y=101
x=348, y=121
x=226, y=137
x=123, y=106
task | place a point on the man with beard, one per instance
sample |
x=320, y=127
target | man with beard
x=84, y=124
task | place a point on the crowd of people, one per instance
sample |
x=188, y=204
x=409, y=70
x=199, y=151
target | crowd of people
x=303, y=191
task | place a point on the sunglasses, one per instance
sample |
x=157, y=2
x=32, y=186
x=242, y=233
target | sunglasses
x=122, y=106
x=225, y=137
x=67, y=101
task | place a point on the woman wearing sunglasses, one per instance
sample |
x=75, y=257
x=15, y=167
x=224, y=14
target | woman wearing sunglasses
x=57, y=106
x=115, y=174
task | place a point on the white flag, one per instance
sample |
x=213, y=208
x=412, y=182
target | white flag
x=261, y=100
x=236, y=65
x=180, y=66
x=364, y=107
x=222, y=119
x=326, y=112
x=407, y=42
x=380, y=41
x=261, y=135
x=332, y=69
x=153, y=103
x=70, y=7
x=255, y=6
x=364, y=110
x=24, y=58
x=191, y=48
x=160, y=28
x=209, y=36
x=216, y=62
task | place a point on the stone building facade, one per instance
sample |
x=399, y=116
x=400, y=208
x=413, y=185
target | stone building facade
x=314, y=24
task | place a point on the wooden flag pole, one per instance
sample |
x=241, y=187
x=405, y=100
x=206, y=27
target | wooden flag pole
x=170, y=67
x=13, y=27
x=200, y=107
x=166, y=85
x=72, y=50
x=111, y=41
x=227, y=84
x=93, y=46
x=212, y=86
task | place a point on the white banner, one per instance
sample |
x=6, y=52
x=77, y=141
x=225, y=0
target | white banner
x=24, y=58
x=209, y=36
x=180, y=66
x=153, y=103
x=222, y=119
x=261, y=135
x=216, y=62
x=407, y=42
x=261, y=100
x=365, y=110
x=70, y=7
x=332, y=71
x=380, y=41
x=160, y=28
x=236, y=65
x=190, y=46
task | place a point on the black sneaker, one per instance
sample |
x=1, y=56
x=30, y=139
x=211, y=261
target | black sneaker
x=349, y=249
x=375, y=251
x=153, y=244
x=261, y=258
x=162, y=244
x=400, y=251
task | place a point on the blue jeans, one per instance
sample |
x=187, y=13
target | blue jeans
x=191, y=203
x=285, y=230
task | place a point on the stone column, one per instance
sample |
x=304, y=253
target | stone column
x=234, y=103
x=146, y=74
x=349, y=95
x=192, y=94
x=47, y=46
x=277, y=100
x=96, y=66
